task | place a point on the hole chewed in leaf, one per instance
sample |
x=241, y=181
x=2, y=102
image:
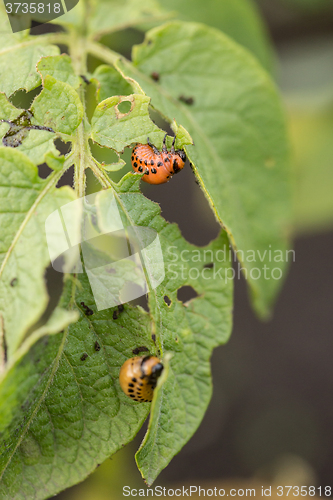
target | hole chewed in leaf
x=23, y=99
x=63, y=147
x=67, y=178
x=44, y=170
x=186, y=293
x=124, y=107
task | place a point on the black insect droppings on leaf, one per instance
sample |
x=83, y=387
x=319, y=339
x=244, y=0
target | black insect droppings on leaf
x=155, y=76
x=140, y=349
x=186, y=100
x=87, y=310
x=209, y=266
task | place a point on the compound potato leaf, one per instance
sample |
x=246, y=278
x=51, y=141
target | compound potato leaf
x=188, y=331
x=62, y=409
x=234, y=114
x=25, y=203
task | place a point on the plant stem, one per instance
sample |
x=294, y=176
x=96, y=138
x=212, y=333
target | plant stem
x=80, y=146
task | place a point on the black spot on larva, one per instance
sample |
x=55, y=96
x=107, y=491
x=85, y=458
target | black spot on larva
x=13, y=282
x=132, y=396
x=166, y=159
x=140, y=161
x=140, y=169
x=147, y=171
x=153, y=171
x=130, y=390
x=175, y=166
x=84, y=356
x=130, y=385
x=97, y=346
x=152, y=162
x=146, y=163
x=133, y=379
x=135, y=164
x=159, y=164
x=132, y=158
x=135, y=399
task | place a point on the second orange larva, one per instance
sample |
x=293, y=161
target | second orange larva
x=158, y=166
x=138, y=377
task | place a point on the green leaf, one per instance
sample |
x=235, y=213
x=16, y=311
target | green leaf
x=106, y=16
x=117, y=128
x=114, y=167
x=109, y=82
x=58, y=321
x=239, y=19
x=25, y=203
x=62, y=409
x=18, y=59
x=241, y=152
x=7, y=110
x=58, y=106
x=60, y=67
x=189, y=331
x=37, y=145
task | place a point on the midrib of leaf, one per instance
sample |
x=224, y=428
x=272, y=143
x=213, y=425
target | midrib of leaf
x=53, y=178
x=47, y=386
x=110, y=57
x=21, y=45
x=153, y=305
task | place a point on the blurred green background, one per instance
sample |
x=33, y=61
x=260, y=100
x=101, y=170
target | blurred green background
x=271, y=413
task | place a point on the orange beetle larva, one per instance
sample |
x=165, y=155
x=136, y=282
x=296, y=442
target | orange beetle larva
x=138, y=377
